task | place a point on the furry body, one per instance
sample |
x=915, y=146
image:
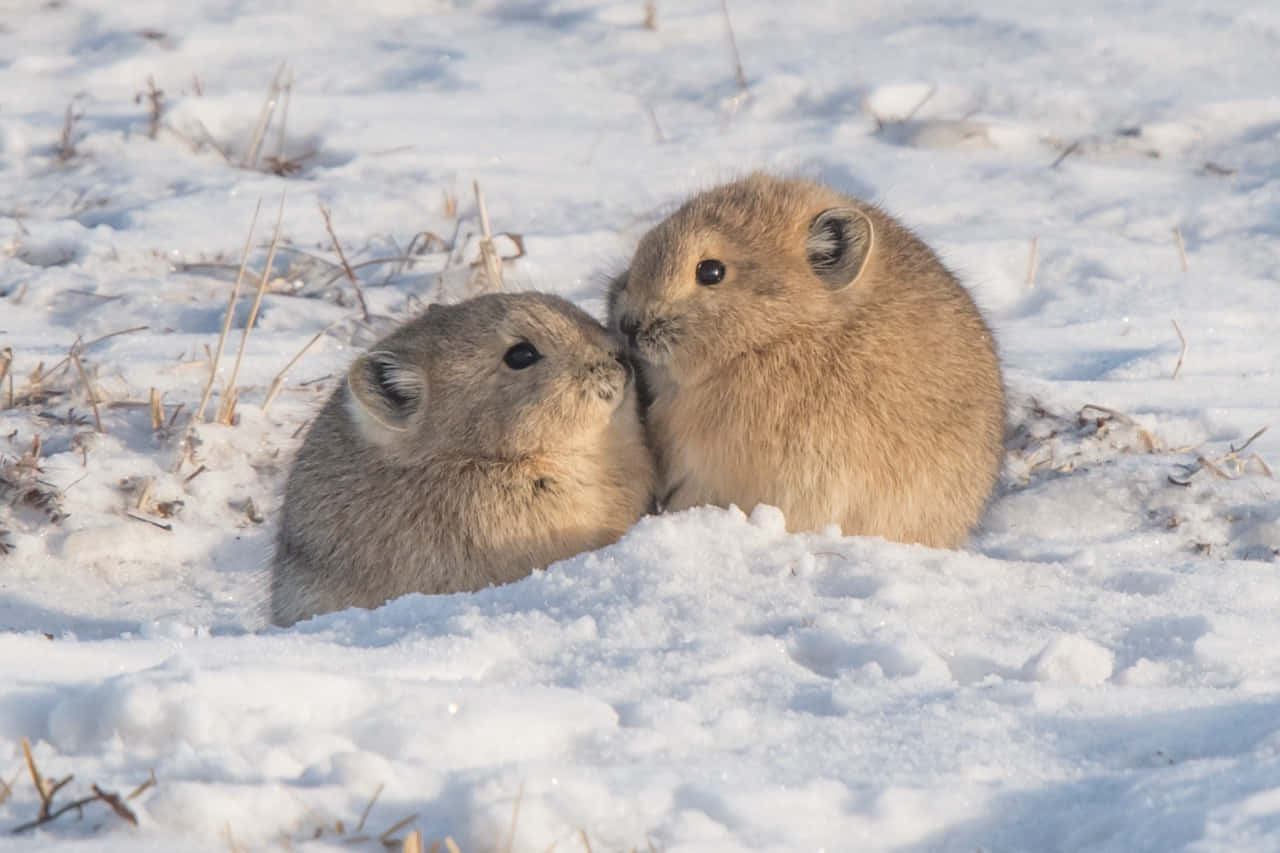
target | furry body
x=838, y=370
x=438, y=468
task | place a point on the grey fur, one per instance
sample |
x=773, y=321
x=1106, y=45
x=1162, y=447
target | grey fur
x=437, y=468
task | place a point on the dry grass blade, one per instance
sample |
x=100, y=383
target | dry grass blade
x=278, y=382
x=1111, y=413
x=88, y=386
x=650, y=15
x=264, y=120
x=35, y=776
x=231, y=840
x=150, y=783
x=157, y=410
x=396, y=827
x=284, y=120
x=1182, y=249
x=658, y=136
x=6, y=788
x=108, y=335
x=364, y=815
x=144, y=494
x=6, y=359
x=198, y=415
x=451, y=845
x=346, y=267
x=488, y=253
x=586, y=842
x=733, y=46
x=1032, y=261
x=227, y=409
x=1183, y=352
x=412, y=843
x=1250, y=440
x=515, y=817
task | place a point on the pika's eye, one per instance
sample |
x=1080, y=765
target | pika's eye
x=522, y=355
x=709, y=272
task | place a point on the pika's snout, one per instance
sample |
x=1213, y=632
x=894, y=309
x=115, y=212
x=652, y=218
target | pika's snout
x=609, y=378
x=650, y=339
x=629, y=325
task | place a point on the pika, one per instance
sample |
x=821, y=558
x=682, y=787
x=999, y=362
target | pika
x=473, y=445
x=803, y=349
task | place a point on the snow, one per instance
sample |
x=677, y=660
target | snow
x=1098, y=670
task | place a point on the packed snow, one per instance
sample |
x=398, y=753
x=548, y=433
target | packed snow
x=1099, y=669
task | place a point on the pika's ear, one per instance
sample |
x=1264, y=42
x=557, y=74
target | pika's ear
x=838, y=245
x=383, y=393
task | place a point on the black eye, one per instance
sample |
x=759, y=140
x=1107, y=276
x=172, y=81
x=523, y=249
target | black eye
x=521, y=356
x=709, y=272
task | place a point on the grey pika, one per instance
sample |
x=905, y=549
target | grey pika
x=475, y=444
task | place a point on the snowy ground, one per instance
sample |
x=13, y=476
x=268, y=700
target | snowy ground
x=1099, y=670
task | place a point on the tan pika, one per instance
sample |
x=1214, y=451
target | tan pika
x=801, y=348
x=475, y=444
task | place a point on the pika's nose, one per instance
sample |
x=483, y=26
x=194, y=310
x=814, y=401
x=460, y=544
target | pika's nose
x=629, y=326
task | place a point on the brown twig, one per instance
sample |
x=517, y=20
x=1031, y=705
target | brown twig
x=47, y=790
x=66, y=147
x=1181, y=353
x=161, y=524
x=155, y=100
x=1066, y=152
x=117, y=805
x=346, y=267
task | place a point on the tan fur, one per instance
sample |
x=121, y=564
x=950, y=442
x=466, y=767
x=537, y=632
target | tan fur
x=497, y=472
x=876, y=404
